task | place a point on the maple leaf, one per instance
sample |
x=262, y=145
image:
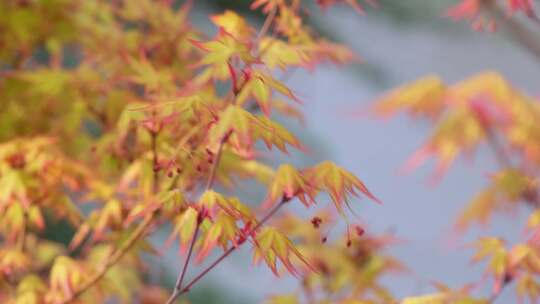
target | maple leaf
x=109, y=216
x=472, y=10
x=220, y=232
x=274, y=134
x=144, y=73
x=283, y=299
x=259, y=85
x=233, y=24
x=167, y=201
x=466, y=9
x=520, y=5
x=459, y=130
x=325, y=4
x=527, y=285
x=66, y=274
x=494, y=250
x=278, y=53
x=244, y=167
x=232, y=206
x=507, y=187
x=13, y=261
x=219, y=53
x=184, y=226
x=423, y=97
x=271, y=245
x=245, y=128
x=338, y=182
x=289, y=183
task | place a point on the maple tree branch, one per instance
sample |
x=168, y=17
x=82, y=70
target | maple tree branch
x=213, y=169
x=112, y=259
x=24, y=231
x=155, y=161
x=267, y=23
x=178, y=290
x=119, y=252
x=227, y=253
x=209, y=184
x=180, y=279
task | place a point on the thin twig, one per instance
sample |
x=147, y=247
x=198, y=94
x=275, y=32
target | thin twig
x=180, y=279
x=267, y=23
x=155, y=160
x=21, y=241
x=113, y=258
x=226, y=253
x=178, y=289
x=119, y=252
x=209, y=184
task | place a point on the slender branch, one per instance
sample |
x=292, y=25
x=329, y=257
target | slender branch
x=178, y=290
x=119, y=252
x=22, y=237
x=180, y=279
x=209, y=184
x=155, y=161
x=267, y=23
x=113, y=258
x=270, y=214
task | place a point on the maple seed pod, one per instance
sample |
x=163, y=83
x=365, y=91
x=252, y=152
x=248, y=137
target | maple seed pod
x=508, y=277
x=349, y=243
x=359, y=231
x=16, y=161
x=316, y=222
x=324, y=239
x=170, y=174
x=178, y=170
x=156, y=167
x=199, y=168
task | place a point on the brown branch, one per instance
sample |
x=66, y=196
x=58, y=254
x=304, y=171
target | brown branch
x=119, y=252
x=155, y=161
x=267, y=23
x=178, y=290
x=21, y=241
x=209, y=184
x=186, y=289
x=112, y=259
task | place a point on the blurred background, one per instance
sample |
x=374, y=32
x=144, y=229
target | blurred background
x=398, y=42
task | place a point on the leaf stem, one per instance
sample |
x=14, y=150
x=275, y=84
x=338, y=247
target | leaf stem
x=267, y=23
